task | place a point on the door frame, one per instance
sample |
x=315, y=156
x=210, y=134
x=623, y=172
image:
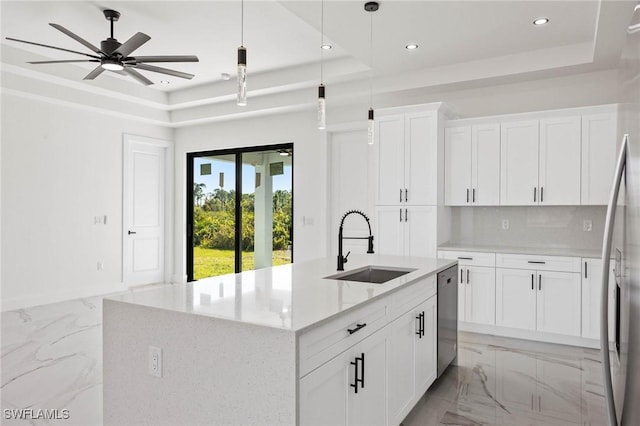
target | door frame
x=127, y=140
x=238, y=184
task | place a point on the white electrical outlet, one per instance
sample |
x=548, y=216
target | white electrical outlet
x=155, y=361
x=505, y=224
x=100, y=266
x=587, y=225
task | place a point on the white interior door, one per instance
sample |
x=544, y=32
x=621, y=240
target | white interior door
x=144, y=211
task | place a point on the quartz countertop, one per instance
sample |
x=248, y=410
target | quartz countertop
x=547, y=251
x=292, y=297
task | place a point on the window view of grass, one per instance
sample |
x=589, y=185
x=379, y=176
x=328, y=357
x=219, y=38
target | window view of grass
x=214, y=230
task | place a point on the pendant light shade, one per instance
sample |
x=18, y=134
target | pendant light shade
x=371, y=7
x=322, y=108
x=242, y=63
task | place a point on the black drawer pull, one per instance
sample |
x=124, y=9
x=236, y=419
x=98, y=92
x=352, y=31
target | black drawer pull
x=540, y=262
x=465, y=258
x=358, y=328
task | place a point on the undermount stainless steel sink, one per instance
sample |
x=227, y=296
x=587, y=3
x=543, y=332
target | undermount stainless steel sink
x=371, y=274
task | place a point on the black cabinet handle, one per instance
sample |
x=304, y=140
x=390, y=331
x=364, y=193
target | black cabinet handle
x=532, y=282
x=406, y=215
x=474, y=195
x=467, y=195
x=534, y=194
x=357, y=380
x=419, y=332
x=406, y=195
x=465, y=258
x=422, y=325
x=542, y=194
x=539, y=262
x=131, y=232
x=539, y=282
x=362, y=371
x=400, y=194
x=467, y=276
x=461, y=272
x=585, y=269
x=401, y=215
x=358, y=328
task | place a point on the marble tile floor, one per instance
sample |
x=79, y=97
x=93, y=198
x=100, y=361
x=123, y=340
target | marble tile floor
x=51, y=358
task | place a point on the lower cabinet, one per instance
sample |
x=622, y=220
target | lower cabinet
x=412, y=358
x=476, y=295
x=591, y=297
x=350, y=389
x=545, y=301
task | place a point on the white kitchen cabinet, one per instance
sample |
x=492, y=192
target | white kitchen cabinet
x=472, y=165
x=328, y=395
x=519, y=163
x=559, y=168
x=480, y=291
x=405, y=144
x=412, y=358
x=592, y=296
x=599, y=139
x=406, y=231
x=558, y=302
x=515, y=298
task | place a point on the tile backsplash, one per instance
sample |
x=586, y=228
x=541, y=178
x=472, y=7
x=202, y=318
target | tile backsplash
x=554, y=227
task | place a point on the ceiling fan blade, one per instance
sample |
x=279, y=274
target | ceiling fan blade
x=96, y=72
x=143, y=59
x=52, y=47
x=63, y=62
x=77, y=38
x=141, y=78
x=132, y=44
x=162, y=70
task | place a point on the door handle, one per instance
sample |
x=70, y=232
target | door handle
x=131, y=232
x=539, y=262
x=419, y=332
x=585, y=269
x=358, y=380
x=461, y=272
x=400, y=214
x=604, y=305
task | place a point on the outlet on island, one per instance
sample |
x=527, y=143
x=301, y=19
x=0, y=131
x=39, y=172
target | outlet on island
x=155, y=361
x=505, y=224
x=587, y=225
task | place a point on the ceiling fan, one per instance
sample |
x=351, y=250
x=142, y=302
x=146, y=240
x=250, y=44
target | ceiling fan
x=114, y=56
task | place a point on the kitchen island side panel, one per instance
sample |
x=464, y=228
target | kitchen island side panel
x=214, y=371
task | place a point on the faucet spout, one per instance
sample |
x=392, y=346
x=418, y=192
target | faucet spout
x=343, y=259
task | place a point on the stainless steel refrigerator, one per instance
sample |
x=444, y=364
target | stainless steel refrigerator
x=621, y=363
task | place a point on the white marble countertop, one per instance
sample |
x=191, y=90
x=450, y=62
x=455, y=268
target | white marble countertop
x=547, y=251
x=293, y=297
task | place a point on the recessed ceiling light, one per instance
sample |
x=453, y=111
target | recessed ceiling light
x=541, y=21
x=411, y=46
x=326, y=46
x=225, y=76
x=164, y=82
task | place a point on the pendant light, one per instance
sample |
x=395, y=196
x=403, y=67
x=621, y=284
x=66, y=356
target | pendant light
x=371, y=7
x=242, y=63
x=322, y=106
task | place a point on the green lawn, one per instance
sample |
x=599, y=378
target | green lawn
x=212, y=262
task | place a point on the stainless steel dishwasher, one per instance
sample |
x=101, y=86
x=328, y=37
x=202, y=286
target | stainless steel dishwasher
x=447, y=317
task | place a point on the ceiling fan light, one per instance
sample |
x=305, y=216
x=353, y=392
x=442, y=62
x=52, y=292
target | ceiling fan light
x=111, y=65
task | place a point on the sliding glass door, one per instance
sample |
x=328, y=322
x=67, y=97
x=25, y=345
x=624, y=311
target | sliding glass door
x=239, y=210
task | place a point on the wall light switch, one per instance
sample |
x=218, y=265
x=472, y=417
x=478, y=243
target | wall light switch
x=587, y=225
x=155, y=361
x=505, y=224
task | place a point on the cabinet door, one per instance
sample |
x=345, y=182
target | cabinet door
x=426, y=348
x=485, y=165
x=481, y=295
x=421, y=159
x=323, y=388
x=368, y=407
x=519, y=163
x=462, y=293
x=457, y=166
x=559, y=173
x=420, y=231
x=591, y=297
x=389, y=238
x=401, y=367
x=558, y=303
x=389, y=168
x=599, y=140
x=515, y=298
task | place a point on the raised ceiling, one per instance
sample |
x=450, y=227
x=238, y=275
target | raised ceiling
x=460, y=41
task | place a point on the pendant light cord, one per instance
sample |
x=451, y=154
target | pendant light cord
x=371, y=62
x=321, y=41
x=242, y=23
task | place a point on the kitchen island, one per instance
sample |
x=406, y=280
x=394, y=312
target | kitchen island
x=273, y=346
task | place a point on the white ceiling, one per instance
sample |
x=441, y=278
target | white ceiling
x=460, y=41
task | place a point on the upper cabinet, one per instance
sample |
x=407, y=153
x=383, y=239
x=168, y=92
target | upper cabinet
x=405, y=146
x=472, y=165
x=598, y=157
x=519, y=163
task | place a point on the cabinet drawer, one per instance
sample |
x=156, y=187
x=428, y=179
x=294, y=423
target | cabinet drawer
x=321, y=344
x=539, y=263
x=469, y=258
x=408, y=298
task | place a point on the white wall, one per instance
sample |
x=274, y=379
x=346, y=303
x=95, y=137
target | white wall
x=309, y=173
x=61, y=166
